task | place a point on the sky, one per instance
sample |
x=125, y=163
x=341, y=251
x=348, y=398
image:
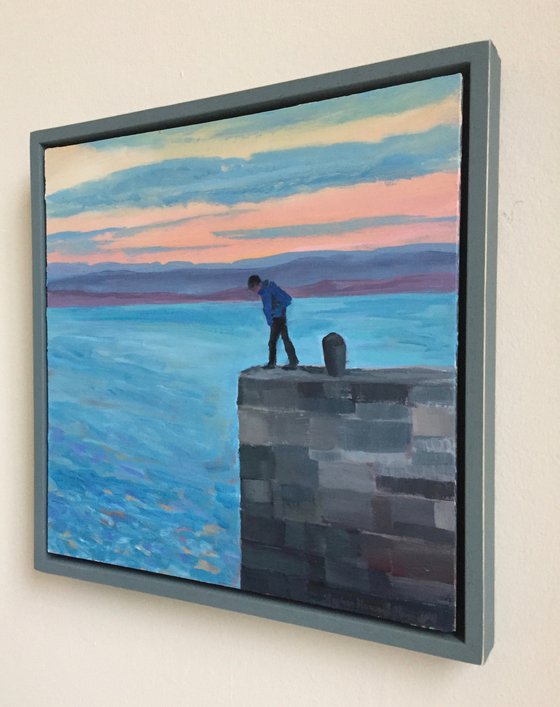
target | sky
x=375, y=169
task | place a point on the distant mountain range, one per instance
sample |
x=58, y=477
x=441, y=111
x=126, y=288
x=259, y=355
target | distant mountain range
x=419, y=268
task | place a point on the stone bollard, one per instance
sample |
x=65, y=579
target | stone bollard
x=334, y=352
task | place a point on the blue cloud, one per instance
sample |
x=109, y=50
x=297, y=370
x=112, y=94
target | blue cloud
x=330, y=228
x=334, y=111
x=75, y=242
x=158, y=249
x=266, y=175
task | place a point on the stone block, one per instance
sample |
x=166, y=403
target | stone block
x=295, y=535
x=308, y=538
x=438, y=616
x=315, y=571
x=347, y=508
x=342, y=544
x=347, y=476
x=281, y=396
x=253, y=427
x=278, y=503
x=310, y=389
x=268, y=531
x=293, y=466
x=256, y=462
x=346, y=576
x=298, y=589
x=416, y=487
x=408, y=470
x=414, y=511
x=434, y=445
x=272, y=559
x=375, y=435
x=357, y=579
x=257, y=510
x=373, y=392
x=436, y=472
x=380, y=584
x=306, y=590
x=339, y=389
x=316, y=593
x=419, y=561
x=382, y=514
x=445, y=513
x=398, y=471
x=365, y=604
x=323, y=431
x=431, y=421
x=249, y=392
x=422, y=590
x=376, y=551
x=296, y=494
x=436, y=394
x=278, y=584
x=424, y=532
x=432, y=459
x=299, y=503
x=377, y=459
x=315, y=541
x=262, y=581
x=383, y=411
x=256, y=491
x=325, y=455
x=327, y=406
x=288, y=428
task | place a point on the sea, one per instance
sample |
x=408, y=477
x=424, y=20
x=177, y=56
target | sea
x=143, y=465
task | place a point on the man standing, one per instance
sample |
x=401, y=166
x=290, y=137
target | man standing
x=275, y=301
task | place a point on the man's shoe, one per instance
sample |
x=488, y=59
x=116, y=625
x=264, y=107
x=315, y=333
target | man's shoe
x=270, y=365
x=290, y=367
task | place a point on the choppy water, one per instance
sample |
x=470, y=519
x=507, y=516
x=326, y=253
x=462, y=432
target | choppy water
x=143, y=465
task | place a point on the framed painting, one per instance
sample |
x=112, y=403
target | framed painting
x=264, y=345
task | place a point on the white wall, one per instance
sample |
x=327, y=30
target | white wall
x=67, y=643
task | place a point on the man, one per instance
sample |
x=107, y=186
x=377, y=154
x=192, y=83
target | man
x=275, y=301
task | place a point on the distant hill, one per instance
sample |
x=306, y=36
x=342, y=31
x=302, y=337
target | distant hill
x=312, y=274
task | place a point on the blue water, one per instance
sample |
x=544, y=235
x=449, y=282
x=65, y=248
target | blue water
x=143, y=464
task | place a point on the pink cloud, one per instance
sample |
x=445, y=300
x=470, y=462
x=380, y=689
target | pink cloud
x=433, y=196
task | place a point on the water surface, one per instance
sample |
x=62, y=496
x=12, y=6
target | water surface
x=142, y=446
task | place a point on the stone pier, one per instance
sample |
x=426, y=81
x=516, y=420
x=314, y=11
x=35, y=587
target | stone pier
x=348, y=490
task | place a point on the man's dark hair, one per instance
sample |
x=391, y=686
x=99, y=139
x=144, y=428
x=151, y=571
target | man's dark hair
x=253, y=280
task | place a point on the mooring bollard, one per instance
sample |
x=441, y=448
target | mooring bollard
x=334, y=352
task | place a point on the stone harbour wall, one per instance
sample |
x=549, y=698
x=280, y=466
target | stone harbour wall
x=348, y=490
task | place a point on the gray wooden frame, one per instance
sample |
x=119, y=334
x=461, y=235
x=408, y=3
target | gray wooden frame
x=480, y=66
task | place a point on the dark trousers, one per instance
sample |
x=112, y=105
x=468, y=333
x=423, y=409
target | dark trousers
x=280, y=328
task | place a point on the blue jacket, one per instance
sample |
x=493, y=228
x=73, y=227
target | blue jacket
x=274, y=300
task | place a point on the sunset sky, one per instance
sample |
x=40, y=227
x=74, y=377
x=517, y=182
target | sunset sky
x=359, y=172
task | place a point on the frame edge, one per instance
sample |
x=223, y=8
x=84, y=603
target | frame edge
x=478, y=641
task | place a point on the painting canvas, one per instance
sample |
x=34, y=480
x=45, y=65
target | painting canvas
x=252, y=351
